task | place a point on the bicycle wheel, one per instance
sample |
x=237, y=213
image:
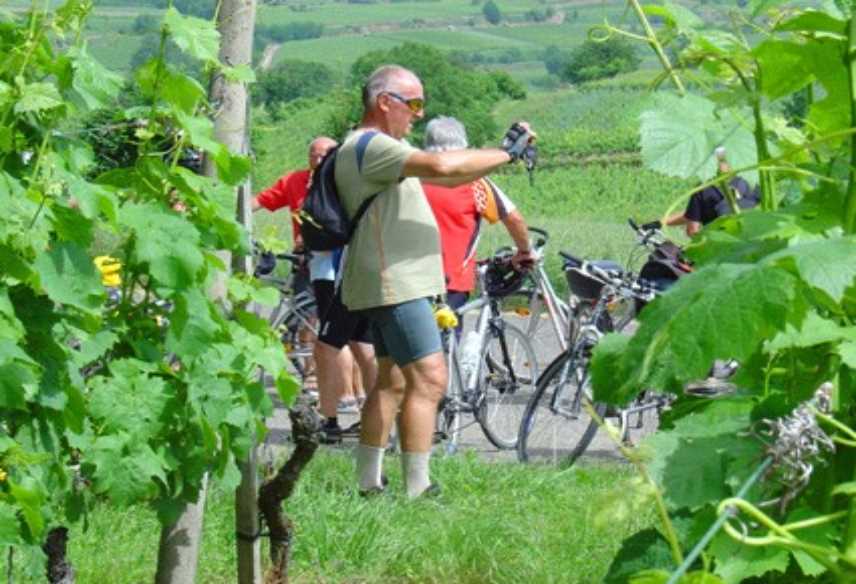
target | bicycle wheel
x=555, y=424
x=507, y=380
x=527, y=310
x=298, y=329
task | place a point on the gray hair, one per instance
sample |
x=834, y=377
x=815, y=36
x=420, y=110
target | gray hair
x=445, y=133
x=384, y=78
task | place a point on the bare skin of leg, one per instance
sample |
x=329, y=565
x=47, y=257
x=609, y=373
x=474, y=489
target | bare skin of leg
x=306, y=338
x=334, y=370
x=381, y=407
x=417, y=389
x=357, y=390
x=364, y=356
x=348, y=391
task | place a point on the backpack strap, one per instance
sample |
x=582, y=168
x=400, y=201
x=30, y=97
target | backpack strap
x=362, y=145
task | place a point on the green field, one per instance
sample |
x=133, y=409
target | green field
x=341, y=14
x=353, y=29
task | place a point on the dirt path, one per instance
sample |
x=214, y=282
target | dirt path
x=267, y=56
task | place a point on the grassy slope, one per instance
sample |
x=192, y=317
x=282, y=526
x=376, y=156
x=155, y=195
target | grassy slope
x=493, y=523
x=115, y=47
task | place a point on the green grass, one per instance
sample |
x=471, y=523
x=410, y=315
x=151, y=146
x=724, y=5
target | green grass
x=494, y=522
x=585, y=210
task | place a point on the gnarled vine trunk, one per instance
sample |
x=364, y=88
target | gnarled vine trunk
x=305, y=427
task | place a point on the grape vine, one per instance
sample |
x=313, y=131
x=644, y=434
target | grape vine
x=137, y=396
x=774, y=288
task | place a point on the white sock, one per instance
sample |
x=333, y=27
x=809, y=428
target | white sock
x=369, y=465
x=415, y=469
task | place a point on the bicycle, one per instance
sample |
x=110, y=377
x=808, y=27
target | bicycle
x=546, y=316
x=295, y=316
x=556, y=426
x=491, y=375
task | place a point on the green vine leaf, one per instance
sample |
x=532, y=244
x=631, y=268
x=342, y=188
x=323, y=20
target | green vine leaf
x=166, y=241
x=11, y=329
x=158, y=80
x=17, y=376
x=814, y=21
x=825, y=265
x=9, y=529
x=737, y=562
x=94, y=84
x=645, y=550
x=847, y=351
x=124, y=469
x=669, y=148
x=728, y=309
x=786, y=67
x=36, y=97
x=30, y=499
x=693, y=460
x=68, y=276
x=192, y=326
x=195, y=36
x=131, y=400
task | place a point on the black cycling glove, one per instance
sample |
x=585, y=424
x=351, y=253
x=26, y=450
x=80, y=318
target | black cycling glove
x=515, y=141
x=652, y=226
x=530, y=156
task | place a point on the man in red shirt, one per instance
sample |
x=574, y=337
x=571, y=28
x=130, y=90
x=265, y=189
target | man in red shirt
x=290, y=190
x=460, y=210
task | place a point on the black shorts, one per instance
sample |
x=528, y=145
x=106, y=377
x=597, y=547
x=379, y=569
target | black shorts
x=338, y=325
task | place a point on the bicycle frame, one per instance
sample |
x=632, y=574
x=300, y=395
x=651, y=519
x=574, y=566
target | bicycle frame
x=469, y=383
x=543, y=296
x=557, y=309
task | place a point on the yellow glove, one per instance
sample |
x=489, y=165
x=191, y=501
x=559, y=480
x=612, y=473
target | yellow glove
x=446, y=318
x=109, y=268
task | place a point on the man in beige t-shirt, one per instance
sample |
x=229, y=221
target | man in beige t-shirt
x=393, y=266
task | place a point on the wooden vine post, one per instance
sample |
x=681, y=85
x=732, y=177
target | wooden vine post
x=235, y=22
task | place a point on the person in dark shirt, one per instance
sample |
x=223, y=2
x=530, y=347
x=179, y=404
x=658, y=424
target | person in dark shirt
x=710, y=203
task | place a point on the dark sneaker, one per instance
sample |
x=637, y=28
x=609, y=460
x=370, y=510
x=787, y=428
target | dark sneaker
x=432, y=492
x=352, y=431
x=331, y=434
x=374, y=491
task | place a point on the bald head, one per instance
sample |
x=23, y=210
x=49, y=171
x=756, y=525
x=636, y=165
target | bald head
x=387, y=78
x=318, y=148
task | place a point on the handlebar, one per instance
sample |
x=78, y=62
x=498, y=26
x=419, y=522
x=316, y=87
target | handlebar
x=633, y=224
x=541, y=241
x=577, y=262
x=646, y=232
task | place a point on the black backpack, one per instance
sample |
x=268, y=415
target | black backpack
x=324, y=224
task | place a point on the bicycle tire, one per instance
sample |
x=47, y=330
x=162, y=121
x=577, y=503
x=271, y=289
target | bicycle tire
x=526, y=308
x=288, y=325
x=503, y=399
x=593, y=426
x=549, y=435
